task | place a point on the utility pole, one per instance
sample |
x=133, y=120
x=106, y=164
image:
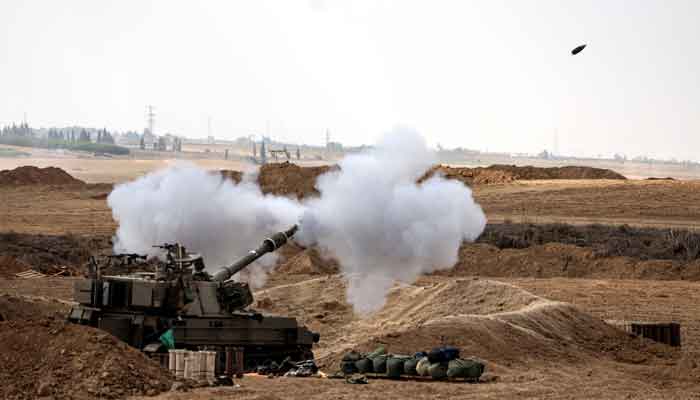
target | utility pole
x=209, y=127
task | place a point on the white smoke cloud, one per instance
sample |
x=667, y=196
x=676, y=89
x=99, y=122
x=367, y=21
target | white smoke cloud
x=379, y=224
x=201, y=210
x=382, y=226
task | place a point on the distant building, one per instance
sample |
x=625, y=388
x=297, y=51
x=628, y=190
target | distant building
x=334, y=147
x=149, y=139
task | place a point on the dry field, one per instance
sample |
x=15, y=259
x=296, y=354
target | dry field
x=59, y=210
x=657, y=203
x=540, y=331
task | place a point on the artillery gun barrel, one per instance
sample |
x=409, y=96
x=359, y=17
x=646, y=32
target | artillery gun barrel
x=270, y=244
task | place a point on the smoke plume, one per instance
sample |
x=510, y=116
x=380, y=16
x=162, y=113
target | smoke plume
x=382, y=226
x=202, y=211
x=371, y=216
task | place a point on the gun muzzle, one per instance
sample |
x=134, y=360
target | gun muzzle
x=268, y=245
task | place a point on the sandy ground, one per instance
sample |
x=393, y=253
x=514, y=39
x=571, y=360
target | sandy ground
x=120, y=169
x=536, y=374
x=607, y=386
x=537, y=349
x=634, y=202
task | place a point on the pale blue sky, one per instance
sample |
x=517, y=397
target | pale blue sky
x=489, y=74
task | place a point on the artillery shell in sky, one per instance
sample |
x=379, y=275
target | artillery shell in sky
x=578, y=49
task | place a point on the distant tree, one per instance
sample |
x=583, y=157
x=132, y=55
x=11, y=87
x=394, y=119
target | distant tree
x=107, y=137
x=84, y=136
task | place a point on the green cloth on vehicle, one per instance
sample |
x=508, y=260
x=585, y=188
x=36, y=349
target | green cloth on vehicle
x=168, y=339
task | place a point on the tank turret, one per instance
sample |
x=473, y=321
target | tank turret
x=199, y=309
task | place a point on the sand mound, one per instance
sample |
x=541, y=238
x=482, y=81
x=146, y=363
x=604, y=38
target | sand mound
x=20, y=308
x=499, y=174
x=49, y=358
x=498, y=322
x=470, y=176
x=285, y=179
x=235, y=176
x=307, y=261
x=317, y=303
x=30, y=175
x=567, y=172
x=47, y=253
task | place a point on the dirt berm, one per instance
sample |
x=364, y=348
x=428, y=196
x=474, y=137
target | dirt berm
x=289, y=179
x=55, y=359
x=511, y=329
x=30, y=175
x=48, y=253
x=285, y=179
x=499, y=173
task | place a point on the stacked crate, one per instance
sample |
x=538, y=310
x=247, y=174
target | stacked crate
x=663, y=332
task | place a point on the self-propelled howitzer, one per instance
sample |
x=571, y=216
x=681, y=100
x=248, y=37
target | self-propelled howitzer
x=196, y=309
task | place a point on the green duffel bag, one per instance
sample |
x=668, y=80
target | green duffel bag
x=409, y=367
x=471, y=368
x=364, y=366
x=438, y=370
x=423, y=366
x=348, y=367
x=379, y=351
x=394, y=366
x=352, y=356
x=379, y=364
